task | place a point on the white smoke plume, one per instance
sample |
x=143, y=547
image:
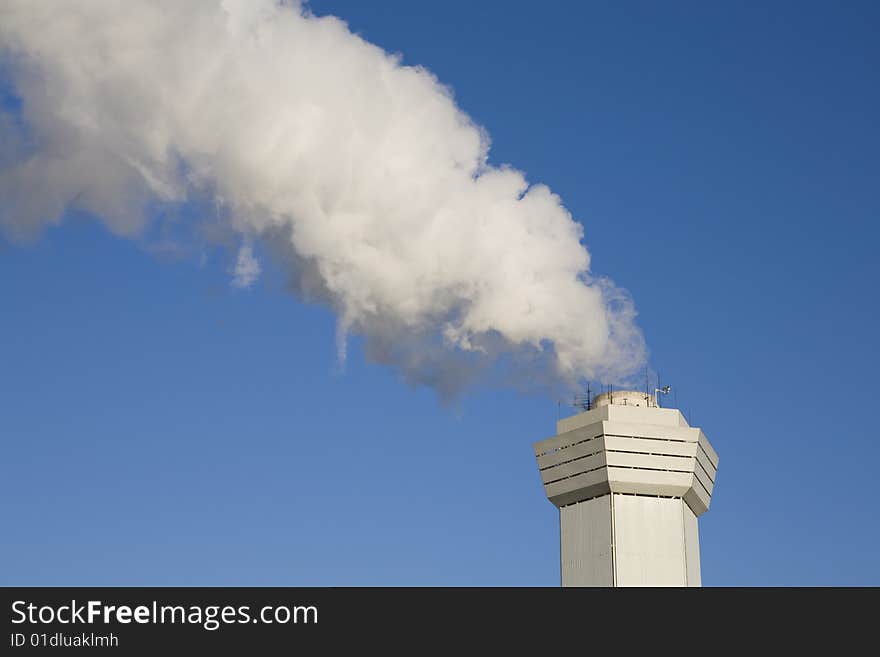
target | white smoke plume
x=247, y=268
x=361, y=173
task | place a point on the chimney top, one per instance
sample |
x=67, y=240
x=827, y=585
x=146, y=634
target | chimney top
x=625, y=398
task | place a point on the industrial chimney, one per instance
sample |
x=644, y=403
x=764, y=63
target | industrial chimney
x=629, y=479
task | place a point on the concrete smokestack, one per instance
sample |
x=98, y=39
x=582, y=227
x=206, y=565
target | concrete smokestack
x=630, y=480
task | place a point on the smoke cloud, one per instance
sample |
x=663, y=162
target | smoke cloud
x=247, y=268
x=360, y=173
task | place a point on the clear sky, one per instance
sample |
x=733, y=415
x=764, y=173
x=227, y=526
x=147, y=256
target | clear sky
x=160, y=427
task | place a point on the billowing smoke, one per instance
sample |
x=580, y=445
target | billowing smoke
x=360, y=173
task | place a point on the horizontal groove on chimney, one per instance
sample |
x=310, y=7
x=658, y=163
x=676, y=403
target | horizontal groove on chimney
x=558, y=449
x=704, y=471
x=596, y=497
x=586, y=499
x=636, y=467
x=562, y=447
x=708, y=459
x=665, y=440
x=578, y=474
x=626, y=451
x=623, y=467
x=577, y=458
x=702, y=485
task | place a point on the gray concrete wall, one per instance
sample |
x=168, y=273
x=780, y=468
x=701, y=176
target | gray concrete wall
x=629, y=540
x=585, y=539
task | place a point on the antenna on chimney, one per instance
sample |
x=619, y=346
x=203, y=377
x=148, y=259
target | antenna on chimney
x=665, y=390
x=584, y=401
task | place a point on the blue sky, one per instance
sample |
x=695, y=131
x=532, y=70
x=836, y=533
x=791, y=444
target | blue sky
x=160, y=427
